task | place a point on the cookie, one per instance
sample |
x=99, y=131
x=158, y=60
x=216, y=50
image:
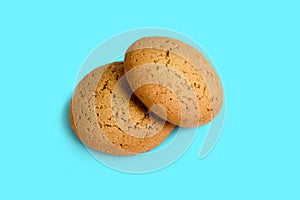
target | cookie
x=107, y=118
x=167, y=72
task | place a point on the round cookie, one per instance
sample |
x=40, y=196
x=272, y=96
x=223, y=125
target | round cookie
x=107, y=118
x=167, y=72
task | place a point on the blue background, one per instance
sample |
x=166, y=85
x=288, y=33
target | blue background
x=255, y=45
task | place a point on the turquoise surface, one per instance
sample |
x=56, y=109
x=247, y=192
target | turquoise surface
x=255, y=46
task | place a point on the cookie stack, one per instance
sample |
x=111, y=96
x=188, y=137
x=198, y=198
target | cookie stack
x=130, y=107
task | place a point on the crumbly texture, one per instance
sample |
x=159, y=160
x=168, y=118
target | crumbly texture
x=101, y=123
x=85, y=118
x=165, y=54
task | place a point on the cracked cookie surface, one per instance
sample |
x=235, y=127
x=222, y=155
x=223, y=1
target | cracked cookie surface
x=107, y=118
x=180, y=79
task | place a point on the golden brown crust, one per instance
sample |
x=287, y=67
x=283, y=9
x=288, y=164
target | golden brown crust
x=99, y=129
x=159, y=52
x=84, y=116
x=138, y=112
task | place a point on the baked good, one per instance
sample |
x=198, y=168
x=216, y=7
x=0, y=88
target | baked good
x=167, y=72
x=107, y=118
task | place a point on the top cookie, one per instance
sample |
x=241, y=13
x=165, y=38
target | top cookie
x=167, y=72
x=105, y=116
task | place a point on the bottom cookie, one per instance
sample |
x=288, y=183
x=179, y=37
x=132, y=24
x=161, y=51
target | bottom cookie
x=105, y=116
